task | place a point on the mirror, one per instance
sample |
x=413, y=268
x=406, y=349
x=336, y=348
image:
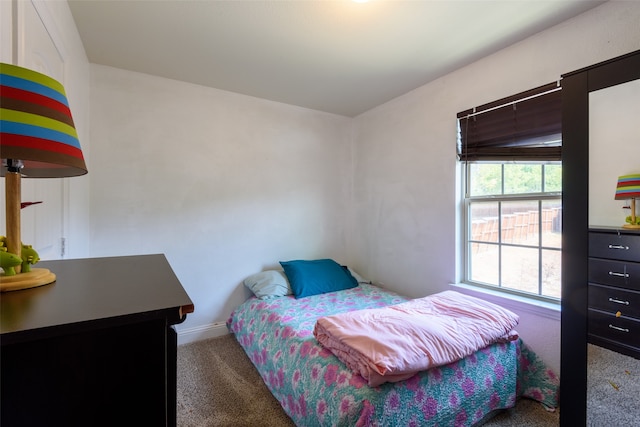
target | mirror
x=614, y=150
x=576, y=87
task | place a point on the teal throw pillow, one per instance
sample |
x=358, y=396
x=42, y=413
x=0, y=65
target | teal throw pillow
x=315, y=277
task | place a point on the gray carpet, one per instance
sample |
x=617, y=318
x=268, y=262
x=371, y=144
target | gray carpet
x=218, y=386
x=613, y=388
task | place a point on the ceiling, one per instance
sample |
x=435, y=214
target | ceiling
x=338, y=56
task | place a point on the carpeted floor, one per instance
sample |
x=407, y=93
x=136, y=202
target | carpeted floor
x=218, y=386
x=613, y=389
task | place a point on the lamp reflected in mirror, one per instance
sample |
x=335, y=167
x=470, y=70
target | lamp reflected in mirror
x=628, y=188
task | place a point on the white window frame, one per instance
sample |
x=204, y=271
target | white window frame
x=467, y=201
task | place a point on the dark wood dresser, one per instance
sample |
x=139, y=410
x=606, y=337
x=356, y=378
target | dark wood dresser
x=96, y=347
x=614, y=289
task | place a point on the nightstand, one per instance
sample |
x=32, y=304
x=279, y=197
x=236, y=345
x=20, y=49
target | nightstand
x=614, y=289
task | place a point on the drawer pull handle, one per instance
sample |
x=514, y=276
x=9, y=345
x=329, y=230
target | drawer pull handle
x=617, y=328
x=626, y=248
x=617, y=301
x=613, y=273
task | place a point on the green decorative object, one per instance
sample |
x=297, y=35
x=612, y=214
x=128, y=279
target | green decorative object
x=9, y=261
x=629, y=220
x=14, y=278
x=29, y=257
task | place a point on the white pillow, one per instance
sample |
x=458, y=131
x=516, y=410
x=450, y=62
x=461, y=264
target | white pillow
x=356, y=276
x=268, y=284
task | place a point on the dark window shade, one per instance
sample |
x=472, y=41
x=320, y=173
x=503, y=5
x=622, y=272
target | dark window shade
x=526, y=126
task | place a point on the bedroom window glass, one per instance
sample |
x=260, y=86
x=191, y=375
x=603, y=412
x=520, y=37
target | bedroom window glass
x=512, y=170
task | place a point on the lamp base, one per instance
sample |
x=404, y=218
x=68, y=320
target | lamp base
x=36, y=277
x=632, y=226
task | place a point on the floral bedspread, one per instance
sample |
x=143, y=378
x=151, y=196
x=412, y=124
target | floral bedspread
x=317, y=389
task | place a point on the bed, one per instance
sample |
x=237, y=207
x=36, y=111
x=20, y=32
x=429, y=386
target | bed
x=316, y=389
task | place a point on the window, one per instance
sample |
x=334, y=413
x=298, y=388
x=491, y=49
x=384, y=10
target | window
x=513, y=193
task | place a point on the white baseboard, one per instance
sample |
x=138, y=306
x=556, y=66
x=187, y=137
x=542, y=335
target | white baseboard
x=198, y=333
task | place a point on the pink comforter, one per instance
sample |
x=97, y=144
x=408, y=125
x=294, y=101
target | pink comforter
x=393, y=343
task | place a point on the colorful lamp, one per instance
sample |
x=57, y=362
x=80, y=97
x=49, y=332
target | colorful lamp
x=37, y=140
x=629, y=188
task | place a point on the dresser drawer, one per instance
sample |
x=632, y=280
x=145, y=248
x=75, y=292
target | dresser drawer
x=622, y=247
x=617, y=273
x=625, y=331
x=614, y=299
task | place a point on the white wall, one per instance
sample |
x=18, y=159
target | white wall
x=224, y=185
x=406, y=194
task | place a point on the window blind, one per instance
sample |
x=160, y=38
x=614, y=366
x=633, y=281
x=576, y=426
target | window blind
x=525, y=126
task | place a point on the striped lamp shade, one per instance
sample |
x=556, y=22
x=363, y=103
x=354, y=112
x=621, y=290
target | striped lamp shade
x=36, y=126
x=628, y=187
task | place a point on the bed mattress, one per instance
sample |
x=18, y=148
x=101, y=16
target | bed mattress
x=316, y=389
